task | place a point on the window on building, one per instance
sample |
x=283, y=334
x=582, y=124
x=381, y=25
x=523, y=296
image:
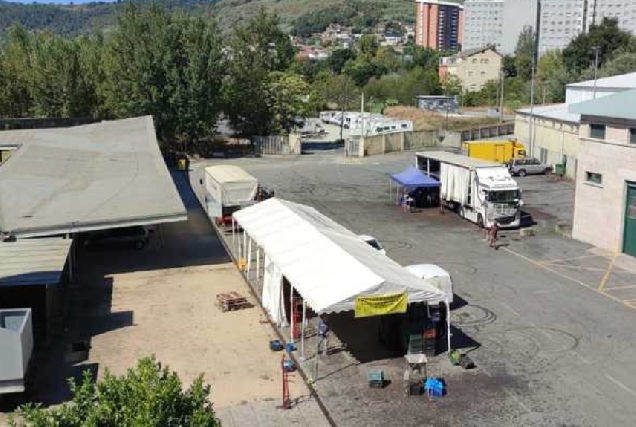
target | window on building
x=594, y=178
x=632, y=136
x=597, y=131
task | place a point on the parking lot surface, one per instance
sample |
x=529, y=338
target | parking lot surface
x=548, y=320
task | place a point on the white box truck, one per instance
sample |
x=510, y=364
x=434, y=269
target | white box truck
x=477, y=190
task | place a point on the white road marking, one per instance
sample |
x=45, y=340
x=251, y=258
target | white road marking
x=545, y=291
x=620, y=384
x=510, y=309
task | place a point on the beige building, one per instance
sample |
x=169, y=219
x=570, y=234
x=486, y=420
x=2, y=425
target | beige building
x=605, y=204
x=551, y=132
x=474, y=67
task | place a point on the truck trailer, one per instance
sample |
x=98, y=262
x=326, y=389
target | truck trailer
x=477, y=190
x=494, y=151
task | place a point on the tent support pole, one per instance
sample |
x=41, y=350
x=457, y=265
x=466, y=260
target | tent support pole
x=291, y=313
x=233, y=236
x=448, y=332
x=249, y=259
x=258, y=267
x=302, y=331
x=244, y=247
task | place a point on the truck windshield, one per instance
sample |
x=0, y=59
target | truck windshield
x=504, y=196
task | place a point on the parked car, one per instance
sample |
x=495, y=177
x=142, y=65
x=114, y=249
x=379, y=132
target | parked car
x=528, y=166
x=373, y=242
x=136, y=237
x=435, y=275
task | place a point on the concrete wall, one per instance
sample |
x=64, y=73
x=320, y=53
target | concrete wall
x=599, y=209
x=557, y=138
x=395, y=142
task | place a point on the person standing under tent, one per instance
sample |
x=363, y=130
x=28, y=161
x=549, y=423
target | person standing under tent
x=323, y=341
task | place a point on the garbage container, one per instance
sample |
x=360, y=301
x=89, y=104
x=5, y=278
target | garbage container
x=559, y=169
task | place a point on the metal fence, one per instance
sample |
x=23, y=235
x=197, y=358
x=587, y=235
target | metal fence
x=277, y=145
x=490, y=131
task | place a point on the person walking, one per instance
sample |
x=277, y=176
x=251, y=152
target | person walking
x=323, y=342
x=492, y=235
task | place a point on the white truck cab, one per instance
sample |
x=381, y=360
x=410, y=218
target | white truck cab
x=480, y=191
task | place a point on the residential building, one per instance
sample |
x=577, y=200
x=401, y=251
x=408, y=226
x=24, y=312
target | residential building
x=438, y=24
x=605, y=203
x=563, y=20
x=555, y=129
x=474, y=67
x=497, y=23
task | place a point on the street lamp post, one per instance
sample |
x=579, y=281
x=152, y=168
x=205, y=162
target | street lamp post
x=596, y=49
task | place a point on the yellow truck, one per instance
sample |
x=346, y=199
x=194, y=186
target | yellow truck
x=494, y=151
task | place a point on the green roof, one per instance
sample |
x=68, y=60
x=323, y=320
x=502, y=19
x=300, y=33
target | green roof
x=619, y=106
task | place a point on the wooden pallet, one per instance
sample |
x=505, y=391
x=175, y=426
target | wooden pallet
x=232, y=301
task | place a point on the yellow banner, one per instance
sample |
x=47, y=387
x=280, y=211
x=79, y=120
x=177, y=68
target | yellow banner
x=379, y=305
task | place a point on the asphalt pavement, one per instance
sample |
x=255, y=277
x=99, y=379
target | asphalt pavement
x=548, y=320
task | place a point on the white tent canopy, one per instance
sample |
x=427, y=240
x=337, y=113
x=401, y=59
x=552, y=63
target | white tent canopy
x=326, y=263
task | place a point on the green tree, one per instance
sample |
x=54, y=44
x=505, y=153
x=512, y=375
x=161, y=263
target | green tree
x=15, y=59
x=579, y=55
x=622, y=62
x=425, y=58
x=524, y=53
x=148, y=395
x=290, y=99
x=256, y=49
x=342, y=91
x=368, y=45
x=169, y=66
x=338, y=59
x=509, y=67
x=552, y=76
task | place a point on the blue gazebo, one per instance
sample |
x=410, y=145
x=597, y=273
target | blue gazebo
x=412, y=178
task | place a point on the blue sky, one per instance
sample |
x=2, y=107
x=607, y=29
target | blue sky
x=55, y=1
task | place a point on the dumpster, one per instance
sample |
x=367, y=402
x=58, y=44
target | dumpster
x=559, y=169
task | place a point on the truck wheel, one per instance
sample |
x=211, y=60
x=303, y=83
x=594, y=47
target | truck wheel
x=480, y=221
x=522, y=172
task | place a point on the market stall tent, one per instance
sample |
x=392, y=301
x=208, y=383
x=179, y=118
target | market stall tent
x=325, y=262
x=411, y=179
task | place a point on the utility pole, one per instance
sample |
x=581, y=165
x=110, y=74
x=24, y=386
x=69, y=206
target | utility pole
x=535, y=52
x=501, y=93
x=596, y=49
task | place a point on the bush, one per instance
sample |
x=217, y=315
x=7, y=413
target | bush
x=147, y=395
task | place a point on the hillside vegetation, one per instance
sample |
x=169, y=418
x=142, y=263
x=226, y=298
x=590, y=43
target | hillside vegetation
x=83, y=19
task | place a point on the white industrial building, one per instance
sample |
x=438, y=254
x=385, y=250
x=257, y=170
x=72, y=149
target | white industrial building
x=496, y=22
x=499, y=22
x=563, y=20
x=555, y=128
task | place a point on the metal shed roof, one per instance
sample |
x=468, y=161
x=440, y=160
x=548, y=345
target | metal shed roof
x=558, y=112
x=104, y=175
x=623, y=81
x=33, y=261
x=619, y=106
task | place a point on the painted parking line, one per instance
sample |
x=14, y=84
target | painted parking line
x=571, y=259
x=607, y=273
x=571, y=279
x=621, y=385
x=620, y=287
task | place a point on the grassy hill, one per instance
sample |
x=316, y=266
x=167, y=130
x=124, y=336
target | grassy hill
x=83, y=19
